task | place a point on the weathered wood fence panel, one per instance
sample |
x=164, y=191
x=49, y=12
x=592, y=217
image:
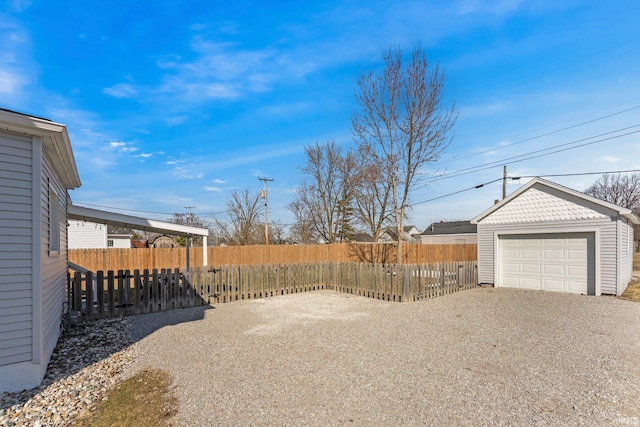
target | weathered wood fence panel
x=368, y=253
x=97, y=295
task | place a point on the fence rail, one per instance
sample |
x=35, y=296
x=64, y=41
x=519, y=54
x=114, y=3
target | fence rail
x=110, y=294
x=371, y=253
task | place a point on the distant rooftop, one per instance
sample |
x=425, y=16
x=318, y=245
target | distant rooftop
x=453, y=227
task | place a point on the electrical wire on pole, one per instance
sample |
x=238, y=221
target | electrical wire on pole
x=266, y=209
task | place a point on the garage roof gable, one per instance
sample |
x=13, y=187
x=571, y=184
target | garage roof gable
x=542, y=200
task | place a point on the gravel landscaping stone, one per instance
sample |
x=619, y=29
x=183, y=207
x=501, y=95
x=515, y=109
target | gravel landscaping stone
x=480, y=357
x=88, y=361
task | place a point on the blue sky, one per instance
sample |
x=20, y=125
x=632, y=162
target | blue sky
x=177, y=103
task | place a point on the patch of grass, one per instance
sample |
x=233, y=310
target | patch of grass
x=142, y=400
x=632, y=293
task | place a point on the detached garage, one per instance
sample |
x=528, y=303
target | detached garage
x=549, y=237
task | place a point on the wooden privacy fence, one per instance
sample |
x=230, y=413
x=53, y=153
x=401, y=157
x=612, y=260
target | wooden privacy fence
x=97, y=295
x=373, y=253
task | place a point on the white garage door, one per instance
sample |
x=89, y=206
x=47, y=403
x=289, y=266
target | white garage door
x=554, y=262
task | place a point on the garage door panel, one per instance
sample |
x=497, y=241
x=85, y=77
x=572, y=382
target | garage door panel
x=554, y=269
x=555, y=262
x=554, y=285
x=577, y=254
x=531, y=254
x=511, y=268
x=554, y=254
x=531, y=268
x=531, y=283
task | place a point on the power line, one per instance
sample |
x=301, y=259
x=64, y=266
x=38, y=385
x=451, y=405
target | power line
x=535, y=154
x=542, y=135
x=515, y=178
x=576, y=174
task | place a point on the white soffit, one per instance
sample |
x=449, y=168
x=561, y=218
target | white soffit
x=80, y=213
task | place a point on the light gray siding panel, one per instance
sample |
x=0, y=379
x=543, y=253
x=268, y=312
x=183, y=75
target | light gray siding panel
x=13, y=282
x=54, y=265
x=8, y=312
x=16, y=334
x=15, y=248
x=22, y=321
x=626, y=255
x=485, y=254
x=9, y=298
x=17, y=352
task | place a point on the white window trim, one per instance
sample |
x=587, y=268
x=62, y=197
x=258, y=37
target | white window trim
x=54, y=221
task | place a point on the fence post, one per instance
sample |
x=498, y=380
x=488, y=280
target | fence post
x=89, y=294
x=100, y=294
x=77, y=291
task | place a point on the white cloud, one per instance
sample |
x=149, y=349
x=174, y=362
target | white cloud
x=121, y=90
x=117, y=144
x=145, y=155
x=226, y=71
x=10, y=83
x=187, y=172
x=611, y=159
x=209, y=188
x=176, y=120
x=19, y=5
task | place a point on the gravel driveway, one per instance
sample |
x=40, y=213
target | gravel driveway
x=479, y=357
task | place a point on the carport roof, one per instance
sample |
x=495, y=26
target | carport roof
x=623, y=212
x=80, y=213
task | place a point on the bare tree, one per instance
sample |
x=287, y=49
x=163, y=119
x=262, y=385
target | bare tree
x=277, y=233
x=401, y=121
x=326, y=191
x=621, y=190
x=191, y=220
x=302, y=230
x=372, y=197
x=242, y=223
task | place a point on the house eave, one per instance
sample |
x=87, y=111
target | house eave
x=55, y=142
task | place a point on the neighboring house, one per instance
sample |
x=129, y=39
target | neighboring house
x=86, y=235
x=549, y=237
x=453, y=232
x=410, y=234
x=90, y=235
x=37, y=168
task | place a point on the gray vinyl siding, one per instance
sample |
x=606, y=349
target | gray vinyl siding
x=608, y=245
x=485, y=254
x=54, y=264
x=626, y=254
x=16, y=314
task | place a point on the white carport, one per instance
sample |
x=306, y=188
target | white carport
x=80, y=213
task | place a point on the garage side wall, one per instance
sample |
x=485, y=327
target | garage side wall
x=606, y=252
x=626, y=254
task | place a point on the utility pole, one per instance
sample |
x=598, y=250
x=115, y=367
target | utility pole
x=266, y=209
x=504, y=181
x=188, y=208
